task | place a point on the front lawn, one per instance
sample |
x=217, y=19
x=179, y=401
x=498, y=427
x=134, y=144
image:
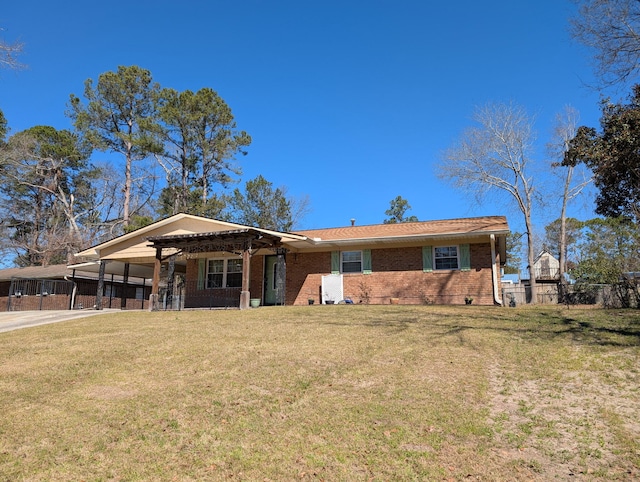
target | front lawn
x=335, y=393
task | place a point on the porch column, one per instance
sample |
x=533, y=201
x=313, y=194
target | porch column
x=246, y=261
x=111, y=291
x=11, y=294
x=155, y=284
x=100, y=291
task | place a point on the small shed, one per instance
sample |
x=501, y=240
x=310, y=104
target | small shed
x=546, y=267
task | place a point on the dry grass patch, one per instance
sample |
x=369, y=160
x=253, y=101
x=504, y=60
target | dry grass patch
x=324, y=393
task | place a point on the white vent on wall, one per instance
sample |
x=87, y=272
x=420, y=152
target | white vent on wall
x=332, y=288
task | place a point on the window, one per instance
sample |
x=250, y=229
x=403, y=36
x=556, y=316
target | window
x=47, y=288
x=224, y=273
x=109, y=291
x=351, y=261
x=234, y=273
x=445, y=257
x=215, y=273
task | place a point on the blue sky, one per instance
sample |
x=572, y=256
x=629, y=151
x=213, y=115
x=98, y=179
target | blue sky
x=350, y=103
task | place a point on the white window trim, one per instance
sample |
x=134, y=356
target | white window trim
x=225, y=272
x=457, y=268
x=342, y=261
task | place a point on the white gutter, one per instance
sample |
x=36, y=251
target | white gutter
x=494, y=272
x=73, y=292
x=399, y=239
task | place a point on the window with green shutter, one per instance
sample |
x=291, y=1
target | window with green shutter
x=445, y=257
x=351, y=261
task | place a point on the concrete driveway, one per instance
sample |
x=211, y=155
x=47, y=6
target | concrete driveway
x=14, y=320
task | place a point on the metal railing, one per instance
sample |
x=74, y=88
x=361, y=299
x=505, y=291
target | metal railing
x=547, y=273
x=194, y=295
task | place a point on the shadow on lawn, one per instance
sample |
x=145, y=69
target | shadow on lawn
x=609, y=329
x=625, y=334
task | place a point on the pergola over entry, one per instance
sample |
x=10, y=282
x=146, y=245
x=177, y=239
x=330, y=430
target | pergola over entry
x=239, y=241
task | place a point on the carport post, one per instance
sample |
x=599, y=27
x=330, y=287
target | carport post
x=103, y=265
x=11, y=294
x=125, y=287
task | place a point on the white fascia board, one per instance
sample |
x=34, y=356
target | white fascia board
x=401, y=239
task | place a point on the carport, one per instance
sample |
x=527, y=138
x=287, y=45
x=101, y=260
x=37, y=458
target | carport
x=108, y=270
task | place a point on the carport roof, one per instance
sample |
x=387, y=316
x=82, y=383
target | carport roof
x=116, y=268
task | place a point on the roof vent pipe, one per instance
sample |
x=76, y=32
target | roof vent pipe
x=353, y=222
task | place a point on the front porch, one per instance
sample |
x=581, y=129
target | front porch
x=209, y=283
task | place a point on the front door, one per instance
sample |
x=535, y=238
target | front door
x=274, y=279
x=270, y=278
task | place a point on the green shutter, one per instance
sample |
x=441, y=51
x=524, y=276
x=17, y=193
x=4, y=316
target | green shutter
x=366, y=261
x=335, y=262
x=427, y=259
x=201, y=270
x=465, y=258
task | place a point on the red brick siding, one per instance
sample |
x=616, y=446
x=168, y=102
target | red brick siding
x=397, y=273
x=304, y=276
x=256, y=277
x=36, y=302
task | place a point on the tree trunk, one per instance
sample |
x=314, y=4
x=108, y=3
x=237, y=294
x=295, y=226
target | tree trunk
x=563, y=223
x=531, y=260
x=127, y=188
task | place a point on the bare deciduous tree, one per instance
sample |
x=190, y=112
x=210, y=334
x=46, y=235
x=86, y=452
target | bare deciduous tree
x=565, y=130
x=612, y=29
x=45, y=194
x=9, y=53
x=495, y=155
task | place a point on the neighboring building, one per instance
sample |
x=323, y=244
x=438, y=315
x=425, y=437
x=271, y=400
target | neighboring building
x=546, y=268
x=197, y=262
x=58, y=287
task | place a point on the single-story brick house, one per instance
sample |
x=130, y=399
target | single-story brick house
x=196, y=262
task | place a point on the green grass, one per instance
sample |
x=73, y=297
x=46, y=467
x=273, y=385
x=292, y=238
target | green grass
x=324, y=393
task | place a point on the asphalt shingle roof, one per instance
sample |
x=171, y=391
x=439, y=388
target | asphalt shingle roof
x=477, y=225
